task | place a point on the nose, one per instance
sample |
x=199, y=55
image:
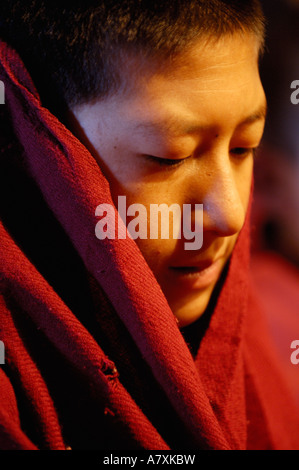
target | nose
x=225, y=198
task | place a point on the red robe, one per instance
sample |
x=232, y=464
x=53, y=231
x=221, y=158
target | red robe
x=94, y=355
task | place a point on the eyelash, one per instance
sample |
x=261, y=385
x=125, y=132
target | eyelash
x=166, y=161
x=238, y=152
x=244, y=152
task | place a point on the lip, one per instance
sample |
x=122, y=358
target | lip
x=200, y=276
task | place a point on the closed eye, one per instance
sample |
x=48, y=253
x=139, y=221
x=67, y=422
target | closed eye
x=243, y=152
x=240, y=152
x=166, y=161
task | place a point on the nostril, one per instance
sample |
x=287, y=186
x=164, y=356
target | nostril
x=223, y=215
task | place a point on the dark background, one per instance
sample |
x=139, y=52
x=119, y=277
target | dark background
x=276, y=203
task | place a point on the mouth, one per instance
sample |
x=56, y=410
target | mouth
x=200, y=276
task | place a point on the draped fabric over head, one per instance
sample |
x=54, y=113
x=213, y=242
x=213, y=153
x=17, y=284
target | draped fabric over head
x=94, y=356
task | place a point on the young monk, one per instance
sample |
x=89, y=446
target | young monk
x=115, y=342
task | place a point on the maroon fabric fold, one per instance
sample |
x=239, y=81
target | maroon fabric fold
x=94, y=355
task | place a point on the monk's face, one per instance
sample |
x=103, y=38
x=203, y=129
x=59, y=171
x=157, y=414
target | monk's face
x=185, y=134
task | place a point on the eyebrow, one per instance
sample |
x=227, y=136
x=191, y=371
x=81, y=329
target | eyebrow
x=175, y=126
x=259, y=115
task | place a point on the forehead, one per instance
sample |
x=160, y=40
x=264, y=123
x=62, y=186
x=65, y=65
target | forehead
x=212, y=86
x=205, y=78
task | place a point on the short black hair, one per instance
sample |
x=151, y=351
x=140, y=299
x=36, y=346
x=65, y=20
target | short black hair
x=73, y=48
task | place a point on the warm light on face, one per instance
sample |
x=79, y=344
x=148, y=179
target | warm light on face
x=185, y=136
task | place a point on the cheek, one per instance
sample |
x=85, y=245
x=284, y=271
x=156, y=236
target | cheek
x=156, y=252
x=243, y=178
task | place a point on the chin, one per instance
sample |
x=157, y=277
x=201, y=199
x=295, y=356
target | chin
x=191, y=310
